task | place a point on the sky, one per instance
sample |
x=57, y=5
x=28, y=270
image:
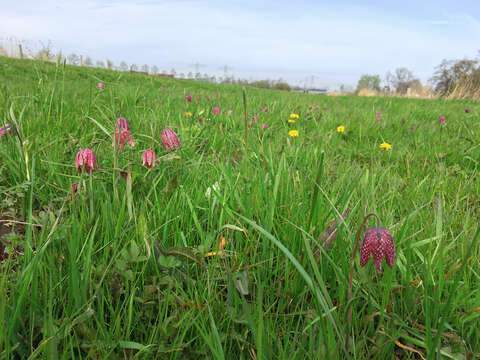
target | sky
x=328, y=42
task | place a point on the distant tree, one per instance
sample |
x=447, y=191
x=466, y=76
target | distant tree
x=110, y=64
x=45, y=54
x=73, y=59
x=145, y=68
x=154, y=70
x=123, y=66
x=181, y=76
x=190, y=75
x=133, y=67
x=402, y=80
x=88, y=61
x=262, y=84
x=198, y=76
x=371, y=82
x=281, y=86
x=100, y=64
x=414, y=85
x=205, y=77
x=450, y=72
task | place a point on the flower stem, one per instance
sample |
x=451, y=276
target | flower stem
x=245, y=114
x=349, y=298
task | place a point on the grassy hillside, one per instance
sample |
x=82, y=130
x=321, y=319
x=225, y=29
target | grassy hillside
x=219, y=250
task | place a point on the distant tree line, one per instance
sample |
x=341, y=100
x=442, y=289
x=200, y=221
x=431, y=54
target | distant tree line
x=451, y=78
x=401, y=81
x=74, y=59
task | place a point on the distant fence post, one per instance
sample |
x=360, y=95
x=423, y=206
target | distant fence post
x=20, y=51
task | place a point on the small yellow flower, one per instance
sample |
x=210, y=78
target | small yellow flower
x=188, y=114
x=293, y=133
x=291, y=121
x=341, y=128
x=385, y=146
x=294, y=116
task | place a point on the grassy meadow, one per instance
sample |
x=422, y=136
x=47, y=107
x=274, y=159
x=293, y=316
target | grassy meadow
x=226, y=248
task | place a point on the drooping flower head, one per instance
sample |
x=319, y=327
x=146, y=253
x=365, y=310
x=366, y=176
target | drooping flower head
x=441, y=119
x=101, y=86
x=86, y=160
x=123, y=136
x=122, y=133
x=189, y=98
x=379, y=119
x=5, y=129
x=467, y=110
x=265, y=109
x=317, y=107
x=254, y=119
x=122, y=124
x=74, y=190
x=378, y=242
x=216, y=110
x=310, y=108
x=265, y=126
x=149, y=158
x=170, y=140
x=324, y=108
x=379, y=113
x=197, y=98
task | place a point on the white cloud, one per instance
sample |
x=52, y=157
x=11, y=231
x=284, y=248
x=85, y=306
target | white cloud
x=335, y=44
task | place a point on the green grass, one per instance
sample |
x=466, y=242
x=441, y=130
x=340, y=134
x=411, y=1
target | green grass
x=132, y=269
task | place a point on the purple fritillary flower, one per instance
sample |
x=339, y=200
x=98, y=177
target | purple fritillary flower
x=379, y=243
x=170, y=140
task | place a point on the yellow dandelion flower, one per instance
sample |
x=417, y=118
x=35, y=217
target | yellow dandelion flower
x=341, y=128
x=293, y=133
x=188, y=114
x=385, y=146
x=291, y=121
x=294, y=116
